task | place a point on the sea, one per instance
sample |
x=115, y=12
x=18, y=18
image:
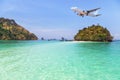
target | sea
x=59, y=60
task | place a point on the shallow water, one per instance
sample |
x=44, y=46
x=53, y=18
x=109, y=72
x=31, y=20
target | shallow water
x=55, y=60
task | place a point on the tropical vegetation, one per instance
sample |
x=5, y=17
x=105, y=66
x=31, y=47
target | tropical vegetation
x=10, y=30
x=94, y=33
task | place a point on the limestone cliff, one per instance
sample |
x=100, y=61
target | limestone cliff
x=10, y=30
x=94, y=33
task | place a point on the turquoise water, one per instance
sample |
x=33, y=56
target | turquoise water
x=55, y=60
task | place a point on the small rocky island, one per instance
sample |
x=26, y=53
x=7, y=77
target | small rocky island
x=94, y=33
x=10, y=30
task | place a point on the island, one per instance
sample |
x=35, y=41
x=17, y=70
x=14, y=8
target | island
x=94, y=33
x=10, y=30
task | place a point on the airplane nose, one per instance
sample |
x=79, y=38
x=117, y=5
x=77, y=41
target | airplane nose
x=73, y=8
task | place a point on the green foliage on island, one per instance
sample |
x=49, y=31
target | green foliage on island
x=10, y=30
x=94, y=33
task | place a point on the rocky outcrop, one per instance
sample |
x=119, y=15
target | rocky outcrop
x=94, y=33
x=10, y=30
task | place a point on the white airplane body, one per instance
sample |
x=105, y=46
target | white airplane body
x=86, y=13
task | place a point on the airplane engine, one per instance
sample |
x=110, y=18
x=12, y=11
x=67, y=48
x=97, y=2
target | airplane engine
x=78, y=14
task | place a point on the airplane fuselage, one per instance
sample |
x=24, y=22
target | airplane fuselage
x=85, y=13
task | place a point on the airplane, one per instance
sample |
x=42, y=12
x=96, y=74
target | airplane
x=92, y=13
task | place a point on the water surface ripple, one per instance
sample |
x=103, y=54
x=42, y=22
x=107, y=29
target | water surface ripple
x=55, y=60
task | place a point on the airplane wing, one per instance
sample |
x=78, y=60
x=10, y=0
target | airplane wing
x=92, y=10
x=94, y=15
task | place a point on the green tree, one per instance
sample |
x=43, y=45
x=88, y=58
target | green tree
x=93, y=33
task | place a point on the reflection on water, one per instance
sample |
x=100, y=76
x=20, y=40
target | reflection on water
x=44, y=60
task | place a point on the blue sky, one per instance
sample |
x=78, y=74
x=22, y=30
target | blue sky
x=54, y=19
